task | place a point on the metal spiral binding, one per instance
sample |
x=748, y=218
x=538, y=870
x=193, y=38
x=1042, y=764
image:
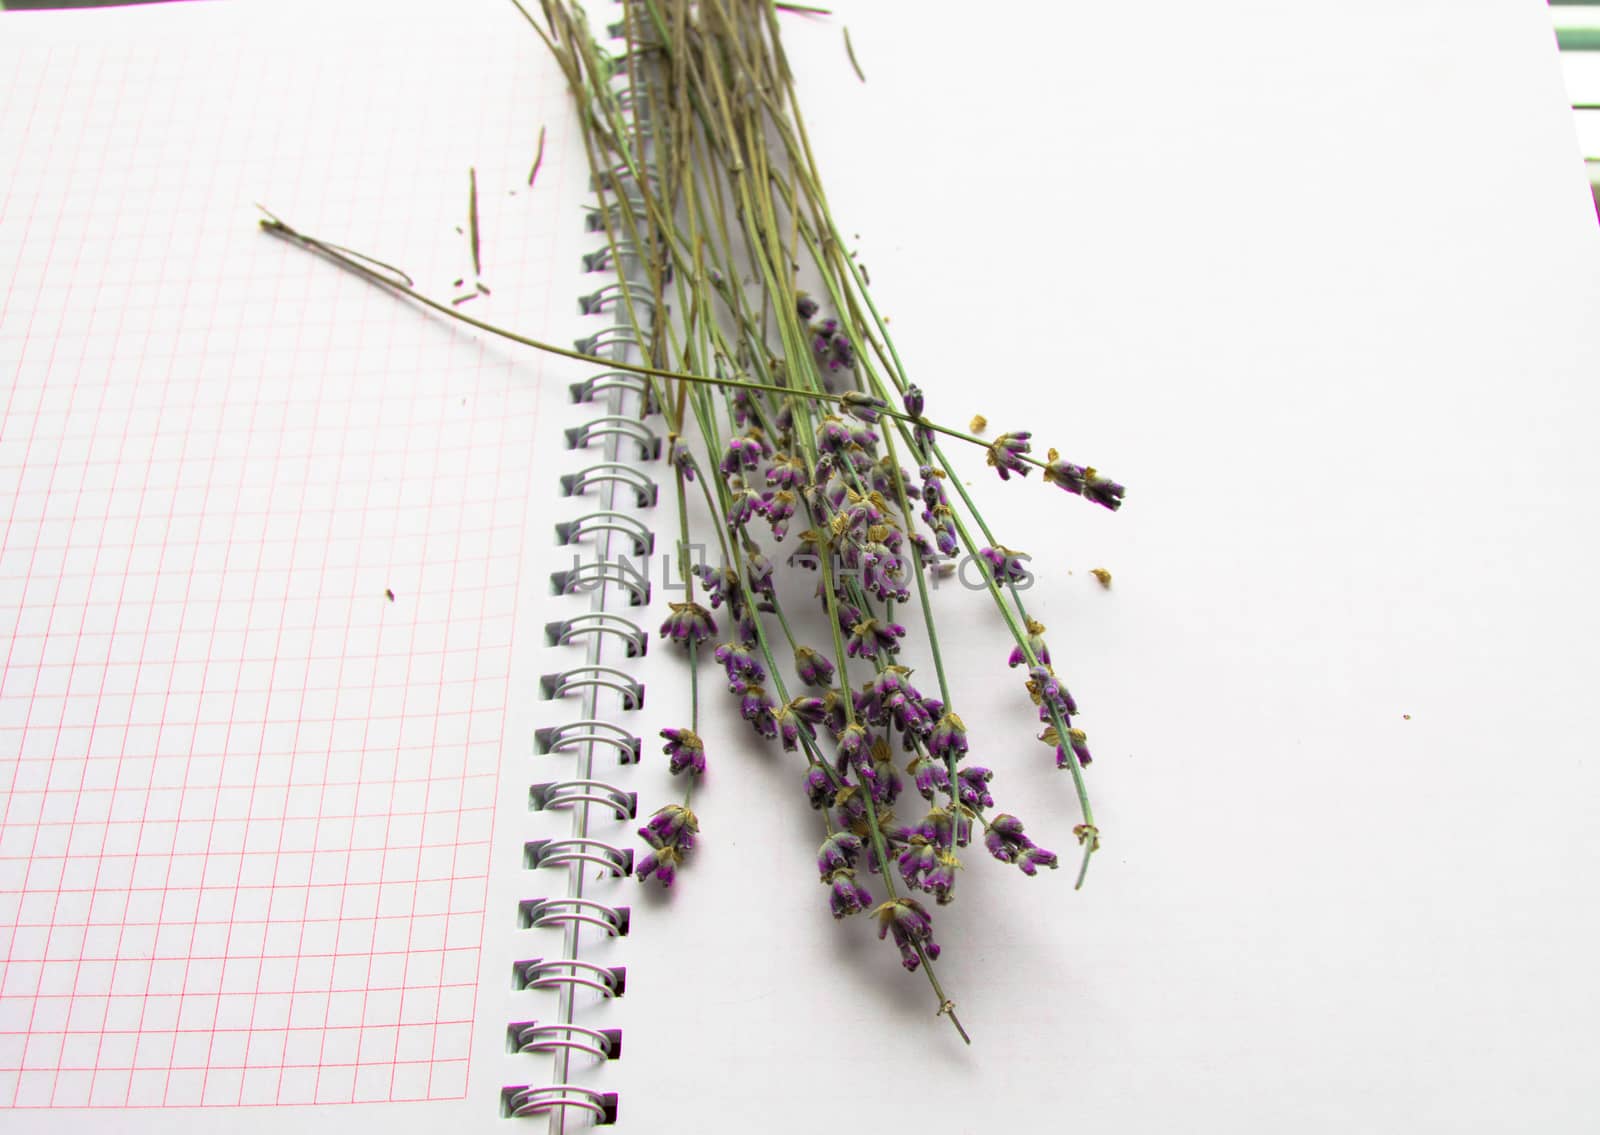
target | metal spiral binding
x=606, y=574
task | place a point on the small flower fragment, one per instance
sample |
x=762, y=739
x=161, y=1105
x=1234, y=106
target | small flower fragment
x=804, y=306
x=670, y=833
x=907, y=920
x=1006, y=452
x=1102, y=576
x=685, y=751
x=1007, y=843
x=688, y=622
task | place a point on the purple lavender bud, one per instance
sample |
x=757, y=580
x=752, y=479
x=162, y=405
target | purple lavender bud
x=1005, y=454
x=741, y=665
x=853, y=742
x=837, y=853
x=1084, y=481
x=866, y=438
x=746, y=503
x=913, y=400
x=813, y=668
x=671, y=836
x=908, y=922
x=787, y=473
x=847, y=896
x=819, y=787
x=779, y=508
x=758, y=570
x=1079, y=740
x=929, y=776
x=833, y=436
x=869, y=636
x=973, y=786
x=841, y=355
x=688, y=622
x=741, y=454
x=804, y=306
x=916, y=860
x=862, y=407
x=1051, y=693
x=1007, y=843
x=783, y=421
x=681, y=457
x=685, y=750
x=743, y=411
x=1007, y=565
x=949, y=737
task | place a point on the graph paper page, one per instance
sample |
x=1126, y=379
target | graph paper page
x=261, y=562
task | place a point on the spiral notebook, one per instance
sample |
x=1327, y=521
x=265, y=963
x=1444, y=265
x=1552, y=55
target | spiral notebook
x=330, y=695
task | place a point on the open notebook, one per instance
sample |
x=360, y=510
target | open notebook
x=288, y=684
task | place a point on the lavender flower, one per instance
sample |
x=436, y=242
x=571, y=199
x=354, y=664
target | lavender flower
x=1035, y=644
x=681, y=458
x=869, y=636
x=804, y=306
x=742, y=453
x=833, y=436
x=786, y=472
x=852, y=752
x=670, y=833
x=848, y=896
x=685, y=750
x=863, y=407
x=1077, y=738
x=973, y=786
x=1048, y=692
x=720, y=584
x=1084, y=481
x=949, y=737
x=841, y=354
x=779, y=510
x=746, y=503
x=688, y=622
x=837, y=853
x=757, y=707
x=928, y=775
x=1008, y=566
x=1007, y=843
x=1005, y=454
x=814, y=669
x=758, y=570
x=741, y=665
x=913, y=400
x=819, y=787
x=908, y=922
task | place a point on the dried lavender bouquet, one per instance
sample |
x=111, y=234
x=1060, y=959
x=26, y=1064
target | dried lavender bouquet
x=795, y=423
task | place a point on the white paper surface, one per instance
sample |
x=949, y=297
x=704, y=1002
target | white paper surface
x=1227, y=255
